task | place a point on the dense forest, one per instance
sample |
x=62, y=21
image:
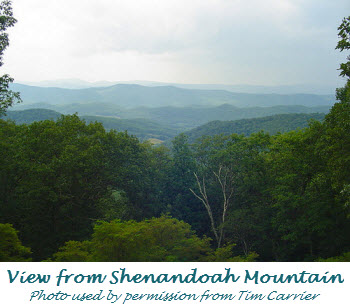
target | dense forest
x=70, y=190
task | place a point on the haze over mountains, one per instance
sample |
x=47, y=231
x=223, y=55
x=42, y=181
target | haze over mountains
x=240, y=88
x=134, y=95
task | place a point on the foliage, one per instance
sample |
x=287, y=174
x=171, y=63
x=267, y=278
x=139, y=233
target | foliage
x=225, y=254
x=156, y=239
x=342, y=258
x=306, y=209
x=7, y=97
x=181, y=176
x=11, y=248
x=241, y=160
x=344, y=44
x=142, y=128
x=61, y=176
x=73, y=251
x=290, y=192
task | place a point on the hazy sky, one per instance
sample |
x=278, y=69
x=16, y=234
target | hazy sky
x=265, y=42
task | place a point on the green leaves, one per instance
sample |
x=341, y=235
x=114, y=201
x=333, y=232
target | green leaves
x=156, y=239
x=7, y=97
x=344, y=34
x=6, y=21
x=11, y=248
x=344, y=44
x=58, y=178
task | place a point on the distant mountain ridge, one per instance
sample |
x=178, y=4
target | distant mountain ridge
x=133, y=95
x=240, y=88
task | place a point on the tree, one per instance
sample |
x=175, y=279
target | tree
x=11, y=248
x=183, y=206
x=7, y=97
x=60, y=177
x=231, y=183
x=156, y=239
x=248, y=219
x=309, y=215
x=343, y=93
x=335, y=142
x=344, y=44
x=225, y=178
x=215, y=180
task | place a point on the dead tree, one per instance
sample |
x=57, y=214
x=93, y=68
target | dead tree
x=225, y=179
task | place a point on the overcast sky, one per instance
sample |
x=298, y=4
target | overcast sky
x=259, y=42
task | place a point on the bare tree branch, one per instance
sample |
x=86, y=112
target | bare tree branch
x=205, y=201
x=225, y=181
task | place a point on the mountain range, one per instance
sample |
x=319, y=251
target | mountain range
x=146, y=110
x=318, y=89
x=134, y=95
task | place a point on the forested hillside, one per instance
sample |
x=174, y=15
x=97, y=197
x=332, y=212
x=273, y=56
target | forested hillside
x=146, y=129
x=270, y=124
x=191, y=117
x=31, y=115
x=178, y=117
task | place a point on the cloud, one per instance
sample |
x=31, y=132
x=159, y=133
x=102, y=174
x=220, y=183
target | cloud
x=146, y=26
x=237, y=40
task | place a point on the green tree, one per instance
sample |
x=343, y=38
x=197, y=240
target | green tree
x=335, y=140
x=231, y=183
x=225, y=254
x=344, y=44
x=53, y=181
x=73, y=251
x=11, y=248
x=342, y=258
x=156, y=239
x=248, y=221
x=60, y=177
x=311, y=171
x=181, y=177
x=308, y=215
x=7, y=97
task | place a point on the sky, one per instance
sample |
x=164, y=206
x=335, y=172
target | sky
x=257, y=42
